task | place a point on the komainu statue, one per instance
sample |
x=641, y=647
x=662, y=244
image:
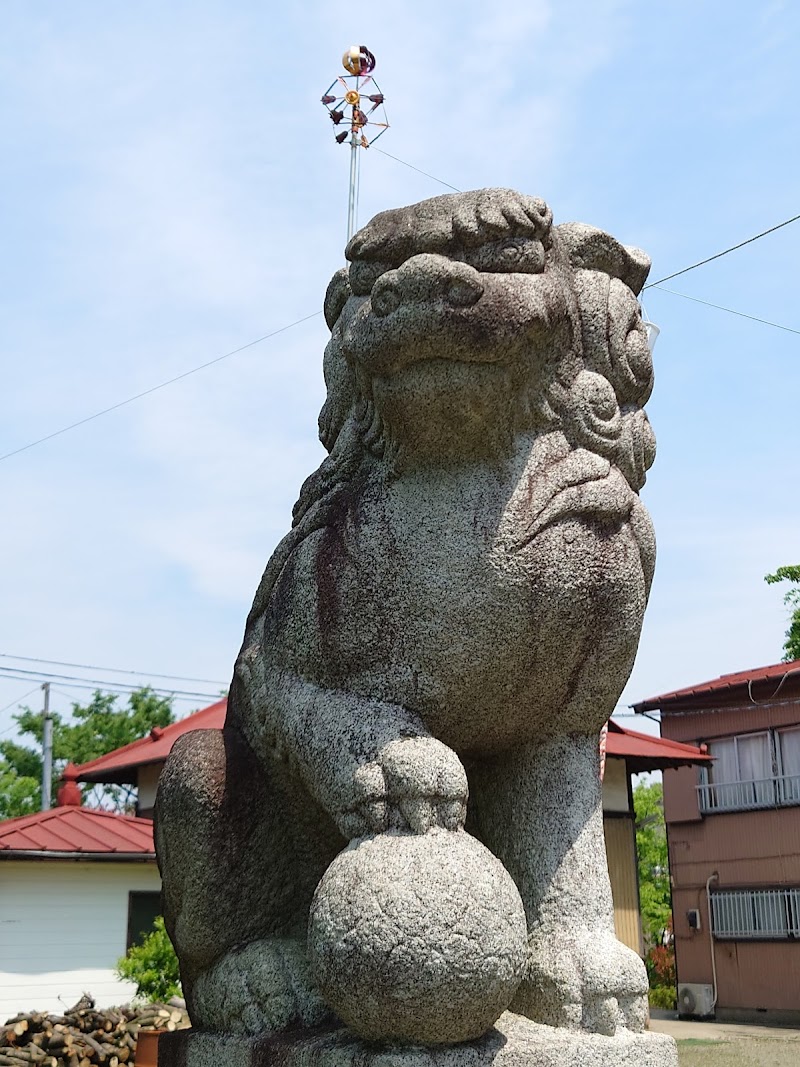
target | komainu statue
x=395, y=845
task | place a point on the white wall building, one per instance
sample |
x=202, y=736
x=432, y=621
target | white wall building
x=77, y=886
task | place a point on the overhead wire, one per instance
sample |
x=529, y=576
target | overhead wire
x=411, y=166
x=75, y=681
x=19, y=699
x=658, y=283
x=100, y=687
x=730, y=311
x=725, y=252
x=155, y=388
x=306, y=318
x=110, y=670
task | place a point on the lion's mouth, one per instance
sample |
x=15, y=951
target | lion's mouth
x=402, y=340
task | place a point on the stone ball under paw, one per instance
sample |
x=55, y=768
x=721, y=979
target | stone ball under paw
x=417, y=938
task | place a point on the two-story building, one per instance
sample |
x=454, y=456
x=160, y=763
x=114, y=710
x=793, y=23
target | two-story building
x=733, y=830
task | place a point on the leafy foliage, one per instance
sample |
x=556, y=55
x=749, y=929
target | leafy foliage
x=654, y=893
x=651, y=850
x=94, y=729
x=663, y=996
x=19, y=793
x=660, y=963
x=152, y=964
x=791, y=646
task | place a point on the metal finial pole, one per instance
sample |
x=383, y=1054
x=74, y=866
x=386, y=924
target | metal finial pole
x=352, y=203
x=348, y=105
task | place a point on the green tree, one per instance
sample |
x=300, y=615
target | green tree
x=152, y=964
x=92, y=730
x=791, y=646
x=653, y=862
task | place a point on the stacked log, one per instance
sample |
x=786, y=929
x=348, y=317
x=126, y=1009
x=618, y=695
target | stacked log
x=84, y=1036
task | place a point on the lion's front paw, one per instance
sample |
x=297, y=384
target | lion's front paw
x=414, y=783
x=260, y=988
x=586, y=981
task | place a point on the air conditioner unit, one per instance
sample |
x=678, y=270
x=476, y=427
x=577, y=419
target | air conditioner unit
x=695, y=1000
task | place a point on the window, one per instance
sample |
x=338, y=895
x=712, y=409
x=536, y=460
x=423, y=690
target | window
x=756, y=914
x=741, y=776
x=789, y=765
x=143, y=909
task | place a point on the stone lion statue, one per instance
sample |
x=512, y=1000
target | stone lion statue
x=437, y=643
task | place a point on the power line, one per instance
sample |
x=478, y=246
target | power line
x=103, y=687
x=61, y=693
x=306, y=318
x=94, y=688
x=155, y=388
x=111, y=670
x=417, y=169
x=94, y=683
x=19, y=699
x=719, y=307
x=668, y=277
x=719, y=255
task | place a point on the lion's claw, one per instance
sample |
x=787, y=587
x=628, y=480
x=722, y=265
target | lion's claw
x=414, y=783
x=587, y=981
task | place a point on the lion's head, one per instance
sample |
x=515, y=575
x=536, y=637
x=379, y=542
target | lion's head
x=469, y=318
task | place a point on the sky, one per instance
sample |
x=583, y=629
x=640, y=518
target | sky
x=171, y=191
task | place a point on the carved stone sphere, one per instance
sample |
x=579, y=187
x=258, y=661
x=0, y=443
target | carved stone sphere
x=417, y=939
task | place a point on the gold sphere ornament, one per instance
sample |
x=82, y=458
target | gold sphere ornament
x=358, y=60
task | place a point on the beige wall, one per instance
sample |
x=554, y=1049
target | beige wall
x=615, y=786
x=621, y=852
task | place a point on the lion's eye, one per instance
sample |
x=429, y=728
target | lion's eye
x=514, y=255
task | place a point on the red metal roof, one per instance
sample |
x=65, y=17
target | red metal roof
x=643, y=751
x=120, y=766
x=777, y=674
x=80, y=831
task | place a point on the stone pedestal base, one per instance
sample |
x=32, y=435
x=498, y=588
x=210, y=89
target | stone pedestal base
x=514, y=1042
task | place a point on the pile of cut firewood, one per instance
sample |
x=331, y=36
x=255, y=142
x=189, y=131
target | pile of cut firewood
x=84, y=1036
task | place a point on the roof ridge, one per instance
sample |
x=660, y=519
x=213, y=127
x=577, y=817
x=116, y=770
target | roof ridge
x=729, y=680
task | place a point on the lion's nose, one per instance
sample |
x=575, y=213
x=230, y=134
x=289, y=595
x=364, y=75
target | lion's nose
x=426, y=279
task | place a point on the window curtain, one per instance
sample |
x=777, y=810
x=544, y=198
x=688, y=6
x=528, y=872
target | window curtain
x=755, y=759
x=790, y=751
x=724, y=768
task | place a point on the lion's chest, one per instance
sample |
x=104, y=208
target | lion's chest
x=414, y=596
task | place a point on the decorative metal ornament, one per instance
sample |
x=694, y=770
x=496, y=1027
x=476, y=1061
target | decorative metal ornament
x=358, y=116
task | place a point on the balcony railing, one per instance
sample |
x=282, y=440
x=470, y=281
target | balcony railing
x=780, y=791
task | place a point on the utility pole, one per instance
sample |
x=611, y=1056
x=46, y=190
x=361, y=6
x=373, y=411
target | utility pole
x=47, y=749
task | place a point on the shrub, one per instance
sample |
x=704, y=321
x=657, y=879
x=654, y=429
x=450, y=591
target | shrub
x=660, y=963
x=152, y=964
x=663, y=996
